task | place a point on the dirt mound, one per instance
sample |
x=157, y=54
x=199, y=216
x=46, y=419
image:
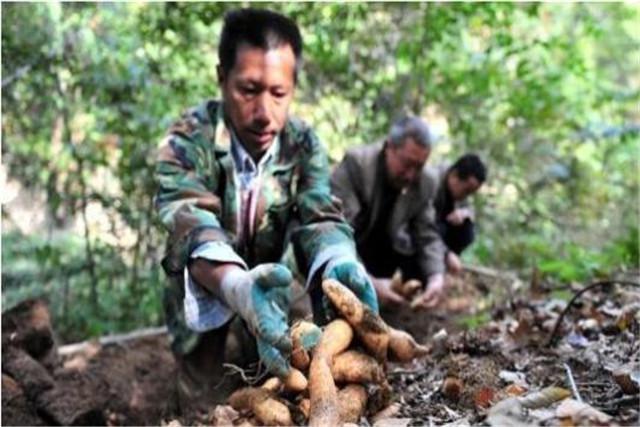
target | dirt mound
x=129, y=383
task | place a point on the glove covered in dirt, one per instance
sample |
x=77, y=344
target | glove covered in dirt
x=262, y=296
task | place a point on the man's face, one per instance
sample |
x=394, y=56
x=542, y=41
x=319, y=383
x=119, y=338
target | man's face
x=405, y=162
x=460, y=189
x=257, y=93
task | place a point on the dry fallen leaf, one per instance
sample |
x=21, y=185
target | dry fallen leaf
x=507, y=412
x=513, y=377
x=628, y=378
x=581, y=413
x=544, y=397
x=392, y=422
x=513, y=390
x=484, y=397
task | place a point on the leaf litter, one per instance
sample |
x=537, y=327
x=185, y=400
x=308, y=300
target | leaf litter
x=506, y=372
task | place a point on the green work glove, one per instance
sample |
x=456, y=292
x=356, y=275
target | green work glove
x=352, y=274
x=262, y=296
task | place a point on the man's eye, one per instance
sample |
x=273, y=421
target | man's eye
x=279, y=94
x=249, y=90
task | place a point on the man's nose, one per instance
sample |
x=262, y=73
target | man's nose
x=261, y=110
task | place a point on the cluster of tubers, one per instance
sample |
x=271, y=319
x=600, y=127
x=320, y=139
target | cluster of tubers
x=346, y=376
x=409, y=290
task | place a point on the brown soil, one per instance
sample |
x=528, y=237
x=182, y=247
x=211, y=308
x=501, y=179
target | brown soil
x=131, y=383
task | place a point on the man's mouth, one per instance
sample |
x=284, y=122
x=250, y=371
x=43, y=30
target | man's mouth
x=263, y=136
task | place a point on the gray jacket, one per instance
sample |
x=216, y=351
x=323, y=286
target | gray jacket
x=412, y=228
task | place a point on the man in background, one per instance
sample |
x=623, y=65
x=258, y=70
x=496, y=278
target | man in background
x=454, y=214
x=387, y=197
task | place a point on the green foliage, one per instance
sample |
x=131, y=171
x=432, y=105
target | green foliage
x=474, y=321
x=55, y=269
x=548, y=93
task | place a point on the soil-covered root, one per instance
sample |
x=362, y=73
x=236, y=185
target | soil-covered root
x=273, y=384
x=406, y=289
x=294, y=382
x=323, y=394
x=411, y=289
x=335, y=339
x=403, y=348
x=353, y=402
x=262, y=403
x=304, y=336
x=355, y=367
x=368, y=325
x=379, y=396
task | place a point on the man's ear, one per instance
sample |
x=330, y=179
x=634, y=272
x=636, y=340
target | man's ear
x=220, y=73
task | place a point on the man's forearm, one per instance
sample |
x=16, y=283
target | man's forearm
x=209, y=274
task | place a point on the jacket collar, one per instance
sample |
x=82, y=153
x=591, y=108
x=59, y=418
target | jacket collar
x=224, y=140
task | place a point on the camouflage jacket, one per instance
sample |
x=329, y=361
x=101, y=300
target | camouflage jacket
x=197, y=203
x=412, y=228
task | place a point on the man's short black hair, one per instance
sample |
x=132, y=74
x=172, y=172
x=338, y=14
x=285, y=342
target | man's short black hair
x=470, y=165
x=259, y=28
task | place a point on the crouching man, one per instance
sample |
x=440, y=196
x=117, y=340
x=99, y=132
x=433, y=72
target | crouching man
x=237, y=180
x=454, y=213
x=388, y=199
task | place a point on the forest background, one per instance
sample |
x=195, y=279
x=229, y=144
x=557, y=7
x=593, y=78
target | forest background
x=548, y=94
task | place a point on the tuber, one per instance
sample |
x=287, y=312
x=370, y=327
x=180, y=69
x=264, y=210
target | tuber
x=405, y=289
x=295, y=381
x=323, y=394
x=368, y=325
x=402, y=346
x=304, y=336
x=273, y=384
x=353, y=402
x=410, y=288
x=355, y=367
x=335, y=339
x=265, y=407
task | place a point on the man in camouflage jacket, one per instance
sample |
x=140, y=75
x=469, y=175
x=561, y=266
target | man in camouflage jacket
x=238, y=180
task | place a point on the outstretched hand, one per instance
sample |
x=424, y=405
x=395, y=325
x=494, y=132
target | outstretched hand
x=262, y=297
x=353, y=275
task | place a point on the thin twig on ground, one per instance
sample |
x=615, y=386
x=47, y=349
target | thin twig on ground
x=572, y=383
x=554, y=332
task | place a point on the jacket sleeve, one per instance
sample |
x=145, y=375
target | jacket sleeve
x=431, y=249
x=344, y=184
x=186, y=203
x=466, y=204
x=323, y=232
